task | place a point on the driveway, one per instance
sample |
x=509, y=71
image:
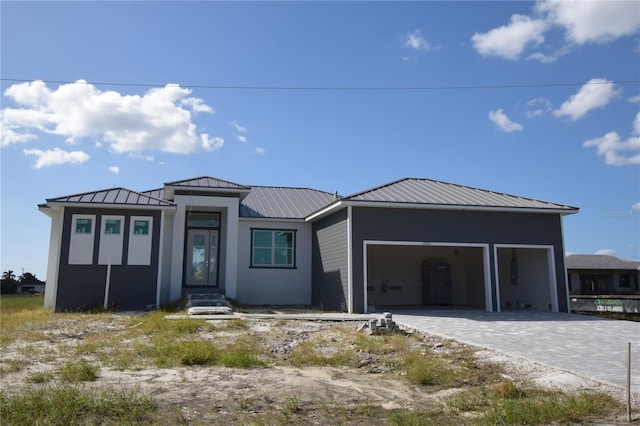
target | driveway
x=588, y=346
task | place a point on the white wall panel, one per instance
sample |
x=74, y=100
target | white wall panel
x=81, y=239
x=140, y=238
x=111, y=240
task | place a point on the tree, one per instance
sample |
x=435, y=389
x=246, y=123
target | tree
x=8, y=285
x=9, y=275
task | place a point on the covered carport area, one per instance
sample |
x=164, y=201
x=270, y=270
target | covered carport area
x=495, y=277
x=409, y=273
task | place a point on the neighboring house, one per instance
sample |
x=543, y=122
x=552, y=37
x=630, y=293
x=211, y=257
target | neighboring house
x=597, y=274
x=30, y=284
x=409, y=242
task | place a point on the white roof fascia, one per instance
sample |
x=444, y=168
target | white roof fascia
x=325, y=211
x=208, y=189
x=395, y=205
x=53, y=204
x=270, y=219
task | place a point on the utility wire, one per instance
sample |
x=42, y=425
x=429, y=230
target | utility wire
x=336, y=88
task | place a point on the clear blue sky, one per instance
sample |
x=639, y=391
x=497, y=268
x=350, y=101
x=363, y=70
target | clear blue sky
x=539, y=99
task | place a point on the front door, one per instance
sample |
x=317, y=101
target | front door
x=202, y=258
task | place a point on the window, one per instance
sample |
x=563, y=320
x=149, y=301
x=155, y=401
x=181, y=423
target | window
x=273, y=248
x=83, y=226
x=140, y=227
x=203, y=220
x=112, y=226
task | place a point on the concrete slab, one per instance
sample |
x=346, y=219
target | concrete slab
x=587, y=346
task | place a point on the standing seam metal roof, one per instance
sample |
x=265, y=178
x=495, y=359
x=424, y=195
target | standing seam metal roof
x=208, y=182
x=427, y=191
x=117, y=196
x=283, y=202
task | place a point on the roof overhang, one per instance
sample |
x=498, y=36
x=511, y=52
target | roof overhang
x=59, y=205
x=340, y=204
x=241, y=193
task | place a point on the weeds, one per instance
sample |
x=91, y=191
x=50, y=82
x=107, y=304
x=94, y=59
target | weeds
x=81, y=371
x=40, y=377
x=68, y=404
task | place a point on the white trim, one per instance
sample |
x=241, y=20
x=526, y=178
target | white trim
x=108, y=206
x=160, y=256
x=270, y=219
x=551, y=269
x=350, y=265
x=564, y=262
x=324, y=211
x=488, y=302
x=423, y=206
x=53, y=260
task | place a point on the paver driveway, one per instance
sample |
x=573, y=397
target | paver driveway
x=587, y=346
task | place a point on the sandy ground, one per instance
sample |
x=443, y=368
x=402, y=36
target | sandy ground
x=208, y=394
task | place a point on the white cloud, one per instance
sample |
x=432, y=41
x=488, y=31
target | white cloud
x=596, y=93
x=196, y=105
x=416, y=41
x=161, y=119
x=501, y=120
x=238, y=128
x=538, y=107
x=509, y=41
x=239, y=131
x=56, y=156
x=634, y=99
x=610, y=146
x=114, y=169
x=211, y=144
x=593, y=21
x=582, y=21
x=607, y=252
x=258, y=151
x=636, y=206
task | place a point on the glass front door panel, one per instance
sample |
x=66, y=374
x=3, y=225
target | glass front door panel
x=202, y=258
x=213, y=258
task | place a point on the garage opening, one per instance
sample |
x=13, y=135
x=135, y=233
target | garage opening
x=427, y=275
x=526, y=278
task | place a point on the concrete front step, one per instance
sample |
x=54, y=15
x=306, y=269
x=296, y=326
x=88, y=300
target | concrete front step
x=207, y=304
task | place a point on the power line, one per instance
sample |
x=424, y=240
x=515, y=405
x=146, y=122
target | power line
x=335, y=88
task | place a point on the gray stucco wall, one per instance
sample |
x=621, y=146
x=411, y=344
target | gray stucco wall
x=456, y=227
x=82, y=286
x=330, y=262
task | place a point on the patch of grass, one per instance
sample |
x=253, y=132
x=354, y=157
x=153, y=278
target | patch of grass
x=420, y=417
x=155, y=323
x=509, y=403
x=80, y=371
x=13, y=365
x=544, y=407
x=428, y=370
x=289, y=408
x=382, y=344
x=40, y=377
x=306, y=354
x=59, y=405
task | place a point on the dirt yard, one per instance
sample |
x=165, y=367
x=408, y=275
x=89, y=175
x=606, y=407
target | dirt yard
x=287, y=388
